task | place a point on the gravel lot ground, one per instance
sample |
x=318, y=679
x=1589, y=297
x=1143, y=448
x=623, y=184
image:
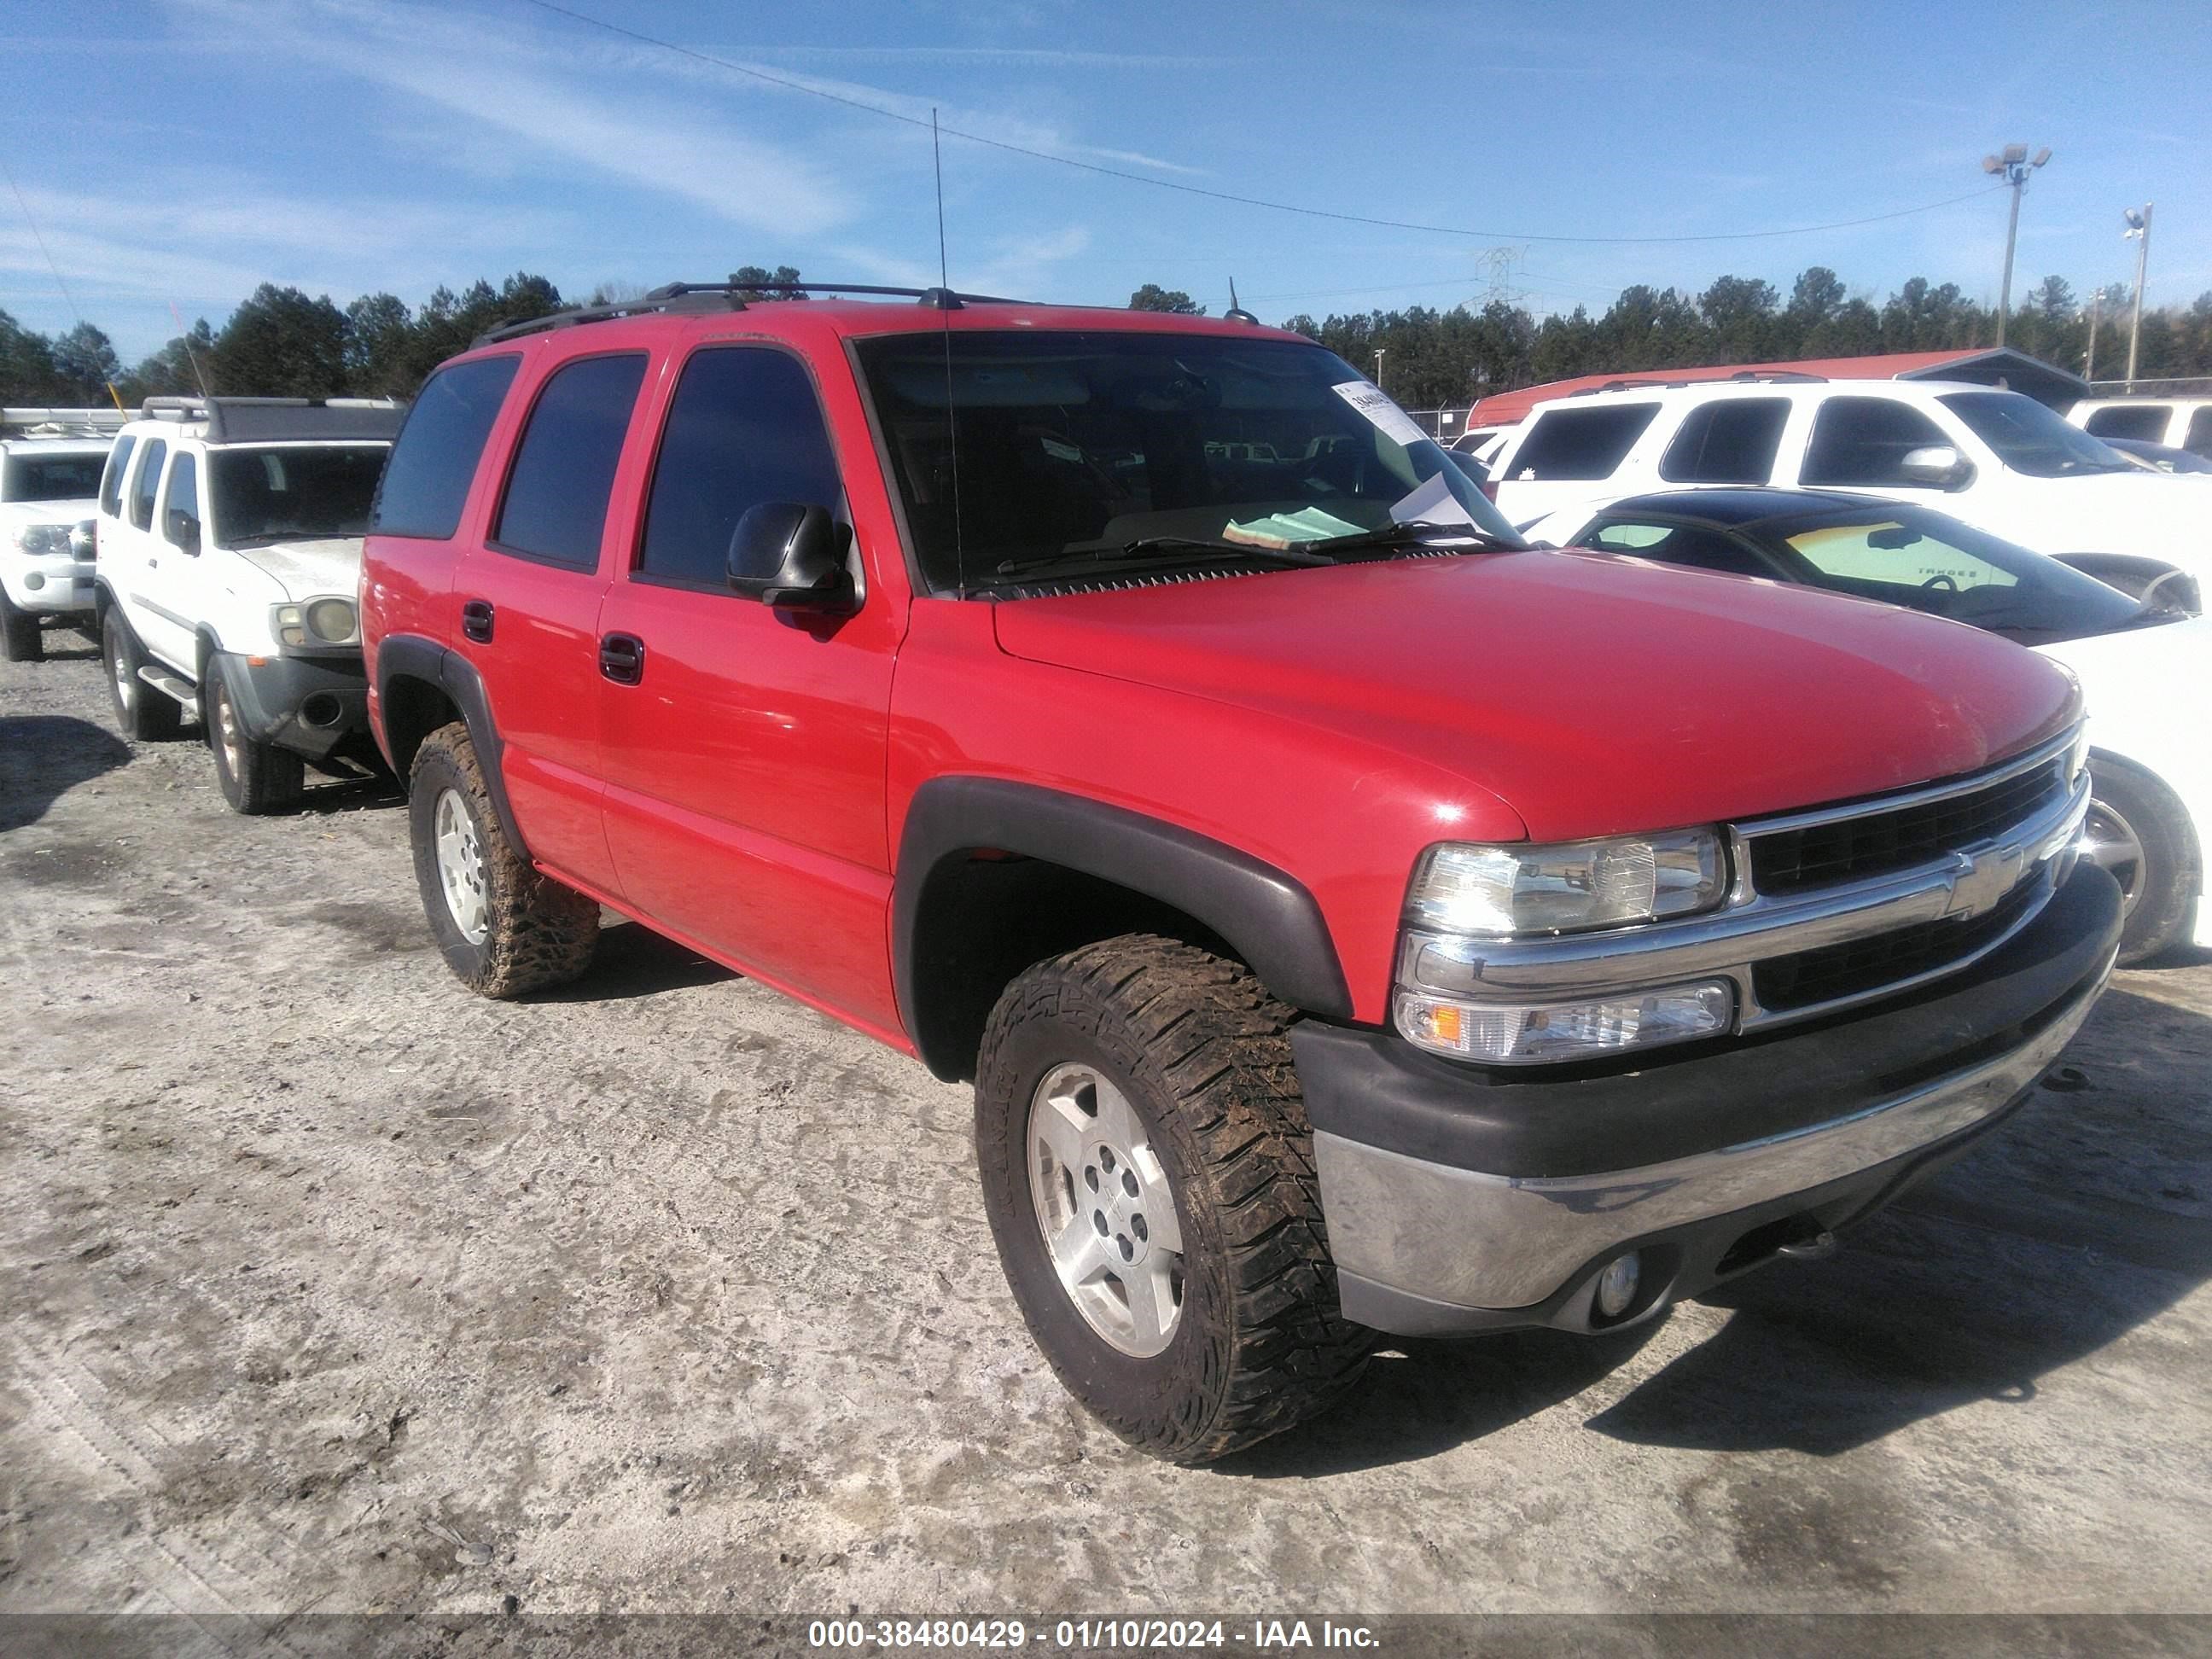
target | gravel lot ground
x=328, y=1286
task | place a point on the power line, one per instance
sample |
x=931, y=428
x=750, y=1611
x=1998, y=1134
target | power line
x=790, y=85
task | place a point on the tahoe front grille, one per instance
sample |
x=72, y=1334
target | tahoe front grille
x=1858, y=847
x=1860, y=965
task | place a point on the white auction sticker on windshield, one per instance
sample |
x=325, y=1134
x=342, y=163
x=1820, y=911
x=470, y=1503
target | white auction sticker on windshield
x=1372, y=401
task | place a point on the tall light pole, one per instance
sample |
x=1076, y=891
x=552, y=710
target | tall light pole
x=1379, y=350
x=2012, y=166
x=2096, y=316
x=2138, y=231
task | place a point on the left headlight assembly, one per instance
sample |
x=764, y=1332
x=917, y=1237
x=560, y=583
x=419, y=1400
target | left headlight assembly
x=1523, y=891
x=327, y=621
x=1519, y=889
x=44, y=538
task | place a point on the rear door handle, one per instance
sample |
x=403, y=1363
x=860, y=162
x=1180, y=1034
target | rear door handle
x=622, y=658
x=476, y=620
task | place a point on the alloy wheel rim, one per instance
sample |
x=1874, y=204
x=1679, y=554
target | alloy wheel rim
x=227, y=732
x=461, y=866
x=2110, y=842
x=1106, y=1210
x=125, y=682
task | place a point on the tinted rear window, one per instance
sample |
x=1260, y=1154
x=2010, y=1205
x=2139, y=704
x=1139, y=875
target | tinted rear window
x=110, y=485
x=426, y=483
x=36, y=478
x=1730, y=442
x=2144, y=421
x=1581, y=443
x=564, y=467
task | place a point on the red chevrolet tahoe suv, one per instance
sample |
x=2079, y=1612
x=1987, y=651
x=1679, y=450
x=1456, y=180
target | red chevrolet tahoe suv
x=1353, y=921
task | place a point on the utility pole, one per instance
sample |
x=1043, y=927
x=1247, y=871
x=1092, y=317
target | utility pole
x=1379, y=350
x=2138, y=231
x=2096, y=316
x=2013, y=166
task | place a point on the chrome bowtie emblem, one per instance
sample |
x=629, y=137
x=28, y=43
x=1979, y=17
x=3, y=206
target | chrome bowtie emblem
x=1983, y=879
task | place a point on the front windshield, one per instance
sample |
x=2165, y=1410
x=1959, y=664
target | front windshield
x=293, y=492
x=1902, y=556
x=1132, y=447
x=66, y=478
x=2031, y=439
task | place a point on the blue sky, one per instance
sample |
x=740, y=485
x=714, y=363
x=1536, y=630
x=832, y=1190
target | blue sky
x=182, y=151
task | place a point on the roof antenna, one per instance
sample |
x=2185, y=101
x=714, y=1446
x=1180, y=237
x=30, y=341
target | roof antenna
x=944, y=312
x=184, y=338
x=1237, y=313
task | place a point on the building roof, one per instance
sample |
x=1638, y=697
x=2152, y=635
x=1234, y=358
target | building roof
x=1987, y=366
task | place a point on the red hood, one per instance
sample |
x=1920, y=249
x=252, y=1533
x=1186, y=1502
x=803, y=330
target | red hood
x=1592, y=694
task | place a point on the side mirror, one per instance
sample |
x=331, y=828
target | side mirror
x=791, y=556
x=184, y=529
x=1937, y=464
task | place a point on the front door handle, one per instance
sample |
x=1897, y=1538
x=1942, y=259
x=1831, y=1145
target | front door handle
x=622, y=658
x=476, y=620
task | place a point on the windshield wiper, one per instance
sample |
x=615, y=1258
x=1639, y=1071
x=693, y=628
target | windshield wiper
x=1413, y=533
x=1091, y=559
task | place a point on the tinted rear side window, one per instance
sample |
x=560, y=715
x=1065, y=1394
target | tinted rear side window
x=564, y=467
x=1581, y=443
x=110, y=485
x=427, y=482
x=744, y=428
x=2198, y=439
x=149, y=475
x=1865, y=441
x=1730, y=441
x=2144, y=421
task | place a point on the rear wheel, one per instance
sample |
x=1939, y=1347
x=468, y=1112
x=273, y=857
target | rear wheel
x=256, y=778
x=142, y=712
x=21, y=640
x=1149, y=1175
x=2138, y=832
x=505, y=929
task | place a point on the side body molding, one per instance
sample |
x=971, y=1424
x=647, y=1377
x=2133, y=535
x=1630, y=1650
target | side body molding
x=1266, y=916
x=411, y=656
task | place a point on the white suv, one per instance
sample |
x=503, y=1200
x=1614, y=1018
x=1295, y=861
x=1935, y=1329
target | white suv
x=49, y=476
x=1996, y=460
x=2177, y=423
x=227, y=578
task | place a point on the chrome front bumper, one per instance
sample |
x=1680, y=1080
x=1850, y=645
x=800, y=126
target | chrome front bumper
x=1425, y=1233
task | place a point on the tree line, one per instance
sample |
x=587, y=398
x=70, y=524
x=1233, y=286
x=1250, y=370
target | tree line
x=282, y=342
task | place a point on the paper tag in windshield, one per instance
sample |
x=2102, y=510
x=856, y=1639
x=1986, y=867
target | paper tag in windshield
x=1370, y=400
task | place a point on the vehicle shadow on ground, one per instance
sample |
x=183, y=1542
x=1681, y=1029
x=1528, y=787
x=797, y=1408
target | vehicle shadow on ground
x=44, y=756
x=376, y=793
x=634, y=961
x=2080, y=1219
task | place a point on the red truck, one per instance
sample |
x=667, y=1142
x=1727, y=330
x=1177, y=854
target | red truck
x=1352, y=920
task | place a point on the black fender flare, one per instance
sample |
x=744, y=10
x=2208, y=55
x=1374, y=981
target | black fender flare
x=413, y=656
x=1266, y=915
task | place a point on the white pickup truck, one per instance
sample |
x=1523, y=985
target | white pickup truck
x=229, y=563
x=50, y=466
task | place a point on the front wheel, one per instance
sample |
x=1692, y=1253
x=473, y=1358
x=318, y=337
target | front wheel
x=256, y=778
x=2139, y=833
x=21, y=640
x=1149, y=1175
x=505, y=929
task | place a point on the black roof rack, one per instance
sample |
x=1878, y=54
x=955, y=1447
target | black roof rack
x=731, y=296
x=1652, y=383
x=245, y=420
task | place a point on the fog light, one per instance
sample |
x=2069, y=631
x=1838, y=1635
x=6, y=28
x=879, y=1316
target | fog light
x=34, y=580
x=1616, y=1285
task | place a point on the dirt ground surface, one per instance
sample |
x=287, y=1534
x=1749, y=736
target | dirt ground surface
x=329, y=1286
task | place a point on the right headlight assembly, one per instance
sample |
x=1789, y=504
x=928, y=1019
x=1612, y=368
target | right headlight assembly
x=1523, y=890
